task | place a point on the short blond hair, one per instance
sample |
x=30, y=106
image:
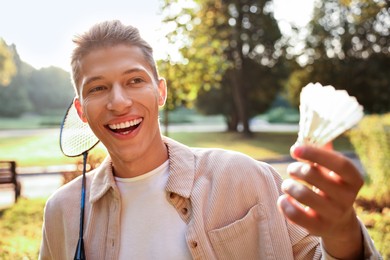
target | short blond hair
x=107, y=34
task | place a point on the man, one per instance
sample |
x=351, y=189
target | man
x=153, y=198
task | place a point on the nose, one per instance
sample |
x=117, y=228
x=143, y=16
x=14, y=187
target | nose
x=119, y=101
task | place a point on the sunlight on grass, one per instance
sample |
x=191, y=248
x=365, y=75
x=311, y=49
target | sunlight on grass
x=36, y=150
x=20, y=226
x=259, y=146
x=21, y=229
x=44, y=150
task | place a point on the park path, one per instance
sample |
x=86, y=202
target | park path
x=33, y=186
x=41, y=183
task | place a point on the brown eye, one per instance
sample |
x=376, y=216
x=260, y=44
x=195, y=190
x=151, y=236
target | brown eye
x=136, y=81
x=96, y=89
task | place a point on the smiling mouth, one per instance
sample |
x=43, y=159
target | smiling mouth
x=125, y=127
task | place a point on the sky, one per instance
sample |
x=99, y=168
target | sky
x=42, y=30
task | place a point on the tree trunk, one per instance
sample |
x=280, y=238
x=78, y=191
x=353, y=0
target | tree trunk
x=239, y=95
x=239, y=101
x=232, y=122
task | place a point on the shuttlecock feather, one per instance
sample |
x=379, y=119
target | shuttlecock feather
x=326, y=113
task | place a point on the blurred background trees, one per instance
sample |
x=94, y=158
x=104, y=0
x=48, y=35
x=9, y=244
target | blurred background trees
x=231, y=56
x=347, y=45
x=27, y=90
x=7, y=66
x=234, y=60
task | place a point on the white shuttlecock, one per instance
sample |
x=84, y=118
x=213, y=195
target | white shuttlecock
x=325, y=113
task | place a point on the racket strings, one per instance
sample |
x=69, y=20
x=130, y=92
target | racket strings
x=76, y=136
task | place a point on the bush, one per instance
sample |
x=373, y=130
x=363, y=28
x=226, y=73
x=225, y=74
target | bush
x=371, y=141
x=378, y=226
x=95, y=158
x=283, y=115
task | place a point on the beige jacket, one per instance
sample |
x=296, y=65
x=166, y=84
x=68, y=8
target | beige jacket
x=227, y=199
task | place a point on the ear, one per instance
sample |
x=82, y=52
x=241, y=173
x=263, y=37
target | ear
x=79, y=109
x=162, y=92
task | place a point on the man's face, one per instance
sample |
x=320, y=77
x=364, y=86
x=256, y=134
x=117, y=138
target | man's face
x=120, y=98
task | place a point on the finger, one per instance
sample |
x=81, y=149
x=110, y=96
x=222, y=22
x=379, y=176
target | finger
x=297, y=214
x=313, y=174
x=327, y=183
x=321, y=205
x=331, y=160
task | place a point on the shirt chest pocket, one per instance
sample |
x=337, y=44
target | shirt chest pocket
x=246, y=238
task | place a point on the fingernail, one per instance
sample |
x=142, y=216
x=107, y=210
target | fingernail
x=306, y=168
x=293, y=167
x=296, y=151
x=286, y=185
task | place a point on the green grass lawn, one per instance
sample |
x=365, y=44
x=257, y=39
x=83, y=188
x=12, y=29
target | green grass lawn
x=21, y=230
x=44, y=150
x=20, y=225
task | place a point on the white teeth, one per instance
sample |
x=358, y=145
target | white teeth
x=126, y=124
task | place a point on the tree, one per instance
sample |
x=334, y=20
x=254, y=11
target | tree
x=31, y=90
x=14, y=98
x=50, y=89
x=349, y=48
x=181, y=94
x=259, y=94
x=7, y=65
x=218, y=41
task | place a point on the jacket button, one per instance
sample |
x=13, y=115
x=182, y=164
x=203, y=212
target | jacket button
x=172, y=195
x=184, y=211
x=194, y=244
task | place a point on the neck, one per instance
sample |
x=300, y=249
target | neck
x=141, y=165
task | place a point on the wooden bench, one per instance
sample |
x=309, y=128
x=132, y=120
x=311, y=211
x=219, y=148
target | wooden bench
x=8, y=176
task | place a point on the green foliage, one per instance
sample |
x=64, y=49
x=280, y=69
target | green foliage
x=368, y=80
x=37, y=91
x=283, y=115
x=50, y=88
x=371, y=140
x=7, y=65
x=95, y=158
x=348, y=47
x=378, y=226
x=230, y=56
x=21, y=229
x=13, y=96
x=180, y=115
x=259, y=94
x=14, y=99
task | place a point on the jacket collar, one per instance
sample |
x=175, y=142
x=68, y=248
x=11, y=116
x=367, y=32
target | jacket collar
x=181, y=173
x=181, y=168
x=102, y=180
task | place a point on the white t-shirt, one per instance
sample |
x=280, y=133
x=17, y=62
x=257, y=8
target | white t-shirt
x=151, y=228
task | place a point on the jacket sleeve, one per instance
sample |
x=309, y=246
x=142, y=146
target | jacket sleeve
x=59, y=233
x=44, y=252
x=306, y=246
x=370, y=252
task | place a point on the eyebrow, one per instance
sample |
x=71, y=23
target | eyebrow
x=92, y=80
x=135, y=70
x=96, y=78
